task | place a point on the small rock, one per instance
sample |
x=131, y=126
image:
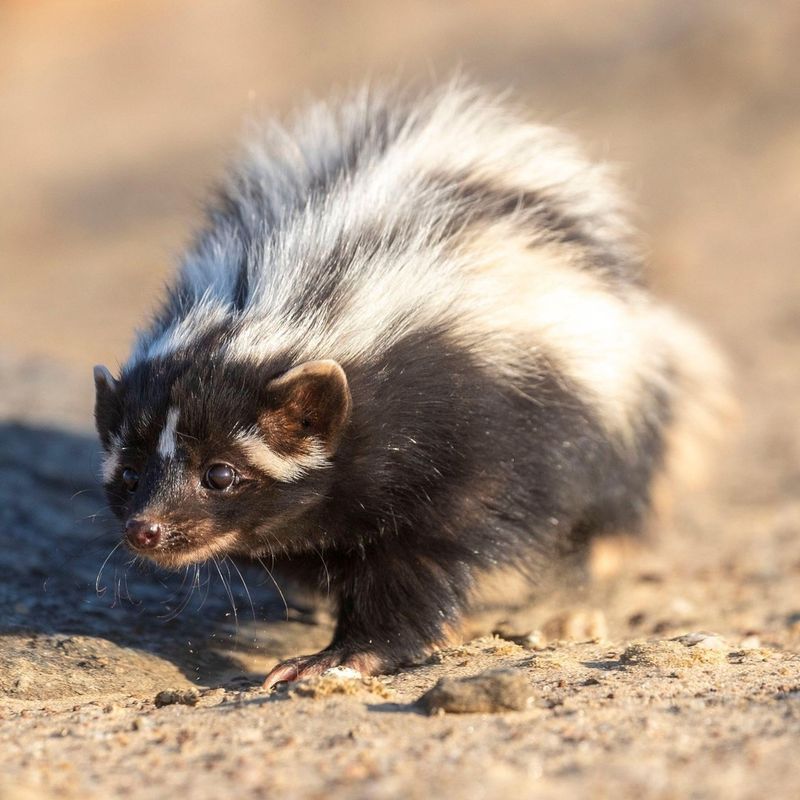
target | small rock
x=488, y=693
x=171, y=697
x=751, y=655
x=708, y=641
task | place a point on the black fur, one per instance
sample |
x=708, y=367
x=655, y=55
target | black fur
x=441, y=473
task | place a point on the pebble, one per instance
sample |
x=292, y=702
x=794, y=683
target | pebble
x=489, y=693
x=171, y=697
x=708, y=641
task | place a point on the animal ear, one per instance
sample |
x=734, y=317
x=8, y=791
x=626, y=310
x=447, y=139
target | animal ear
x=103, y=379
x=106, y=405
x=311, y=400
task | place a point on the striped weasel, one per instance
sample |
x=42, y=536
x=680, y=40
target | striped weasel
x=411, y=344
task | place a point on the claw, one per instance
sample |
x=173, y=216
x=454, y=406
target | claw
x=280, y=674
x=296, y=669
x=301, y=667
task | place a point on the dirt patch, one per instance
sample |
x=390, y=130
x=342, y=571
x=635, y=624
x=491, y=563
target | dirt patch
x=685, y=651
x=336, y=681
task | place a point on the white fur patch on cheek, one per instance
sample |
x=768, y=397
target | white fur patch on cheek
x=167, y=440
x=282, y=468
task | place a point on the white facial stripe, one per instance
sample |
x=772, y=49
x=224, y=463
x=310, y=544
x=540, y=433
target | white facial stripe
x=166, y=442
x=111, y=460
x=282, y=468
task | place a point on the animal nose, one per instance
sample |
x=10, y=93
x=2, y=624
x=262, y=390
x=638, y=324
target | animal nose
x=142, y=534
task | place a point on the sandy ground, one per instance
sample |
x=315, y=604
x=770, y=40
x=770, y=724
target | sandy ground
x=112, y=119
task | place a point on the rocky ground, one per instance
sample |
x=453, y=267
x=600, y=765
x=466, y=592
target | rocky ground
x=674, y=673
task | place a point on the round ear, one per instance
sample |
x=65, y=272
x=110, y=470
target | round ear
x=312, y=399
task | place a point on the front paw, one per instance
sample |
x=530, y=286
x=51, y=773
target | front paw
x=308, y=666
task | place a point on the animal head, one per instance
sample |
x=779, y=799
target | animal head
x=204, y=458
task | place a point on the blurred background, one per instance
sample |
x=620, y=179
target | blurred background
x=115, y=117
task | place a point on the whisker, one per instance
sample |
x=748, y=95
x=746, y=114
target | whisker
x=244, y=585
x=102, y=567
x=103, y=513
x=208, y=586
x=230, y=596
x=182, y=604
x=272, y=578
x=127, y=590
x=117, y=591
x=327, y=573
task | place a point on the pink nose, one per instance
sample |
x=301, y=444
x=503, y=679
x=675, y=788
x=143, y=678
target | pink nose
x=141, y=534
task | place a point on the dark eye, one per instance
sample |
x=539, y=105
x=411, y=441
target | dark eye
x=220, y=477
x=130, y=477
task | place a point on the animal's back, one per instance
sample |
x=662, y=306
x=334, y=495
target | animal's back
x=370, y=217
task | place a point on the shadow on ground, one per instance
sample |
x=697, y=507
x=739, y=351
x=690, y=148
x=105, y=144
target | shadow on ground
x=78, y=617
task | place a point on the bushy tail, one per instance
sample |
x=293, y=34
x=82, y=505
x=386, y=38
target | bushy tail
x=703, y=406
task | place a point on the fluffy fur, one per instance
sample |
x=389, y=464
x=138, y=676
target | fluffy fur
x=416, y=329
